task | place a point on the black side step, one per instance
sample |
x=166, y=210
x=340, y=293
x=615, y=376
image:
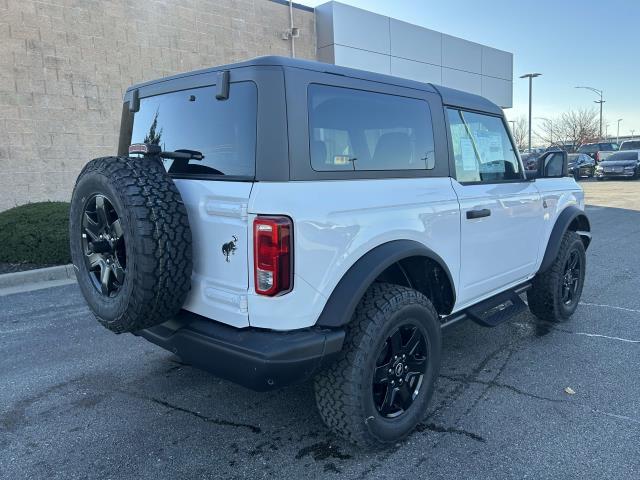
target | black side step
x=492, y=311
x=496, y=310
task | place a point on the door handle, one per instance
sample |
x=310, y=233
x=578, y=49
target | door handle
x=471, y=214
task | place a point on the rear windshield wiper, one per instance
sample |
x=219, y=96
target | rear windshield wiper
x=182, y=154
x=155, y=150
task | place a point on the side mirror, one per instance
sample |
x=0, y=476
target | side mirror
x=553, y=165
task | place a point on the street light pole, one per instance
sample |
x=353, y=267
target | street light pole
x=601, y=101
x=530, y=76
x=618, y=135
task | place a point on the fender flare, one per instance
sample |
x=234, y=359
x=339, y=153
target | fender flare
x=344, y=299
x=562, y=224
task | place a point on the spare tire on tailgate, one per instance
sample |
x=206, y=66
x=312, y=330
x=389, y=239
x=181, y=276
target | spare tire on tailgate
x=130, y=242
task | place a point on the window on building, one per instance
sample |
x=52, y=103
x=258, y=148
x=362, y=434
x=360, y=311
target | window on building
x=358, y=130
x=482, y=149
x=224, y=131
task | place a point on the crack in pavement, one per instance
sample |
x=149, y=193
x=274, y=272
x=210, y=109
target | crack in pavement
x=493, y=383
x=440, y=429
x=216, y=421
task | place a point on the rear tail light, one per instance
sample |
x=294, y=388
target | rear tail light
x=272, y=255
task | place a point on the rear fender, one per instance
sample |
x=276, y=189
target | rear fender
x=345, y=297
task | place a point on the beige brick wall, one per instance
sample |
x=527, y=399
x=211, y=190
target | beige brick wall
x=65, y=64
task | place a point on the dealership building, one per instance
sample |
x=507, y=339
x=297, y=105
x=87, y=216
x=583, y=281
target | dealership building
x=64, y=68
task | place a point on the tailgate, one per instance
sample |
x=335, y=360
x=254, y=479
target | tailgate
x=219, y=226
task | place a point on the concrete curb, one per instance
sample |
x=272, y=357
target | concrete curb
x=61, y=272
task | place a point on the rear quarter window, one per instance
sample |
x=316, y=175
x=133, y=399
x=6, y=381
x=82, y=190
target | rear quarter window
x=359, y=130
x=224, y=131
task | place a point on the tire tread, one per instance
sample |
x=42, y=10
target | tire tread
x=163, y=244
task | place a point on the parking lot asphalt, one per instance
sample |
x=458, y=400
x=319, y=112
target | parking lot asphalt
x=79, y=402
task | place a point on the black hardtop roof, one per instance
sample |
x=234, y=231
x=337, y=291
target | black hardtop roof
x=449, y=96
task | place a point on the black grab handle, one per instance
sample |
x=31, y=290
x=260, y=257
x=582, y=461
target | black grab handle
x=485, y=212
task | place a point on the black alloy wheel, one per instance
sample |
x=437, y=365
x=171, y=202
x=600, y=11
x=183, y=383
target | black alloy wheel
x=571, y=278
x=399, y=371
x=377, y=390
x=556, y=291
x=103, y=244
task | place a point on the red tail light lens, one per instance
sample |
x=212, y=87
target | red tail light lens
x=272, y=255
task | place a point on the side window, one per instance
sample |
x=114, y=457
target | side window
x=482, y=149
x=358, y=130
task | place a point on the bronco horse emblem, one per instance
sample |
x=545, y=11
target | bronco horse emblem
x=229, y=248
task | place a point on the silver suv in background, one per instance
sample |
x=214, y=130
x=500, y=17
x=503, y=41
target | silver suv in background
x=630, y=145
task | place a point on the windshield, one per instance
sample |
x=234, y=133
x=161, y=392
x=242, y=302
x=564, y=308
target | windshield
x=630, y=145
x=222, y=132
x=572, y=157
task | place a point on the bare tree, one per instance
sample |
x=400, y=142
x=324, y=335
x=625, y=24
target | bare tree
x=571, y=127
x=549, y=132
x=577, y=126
x=520, y=133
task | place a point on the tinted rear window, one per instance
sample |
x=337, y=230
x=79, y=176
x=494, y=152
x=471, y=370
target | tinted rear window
x=588, y=148
x=224, y=131
x=622, y=156
x=358, y=130
x=608, y=147
x=630, y=145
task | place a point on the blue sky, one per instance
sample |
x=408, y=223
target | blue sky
x=571, y=42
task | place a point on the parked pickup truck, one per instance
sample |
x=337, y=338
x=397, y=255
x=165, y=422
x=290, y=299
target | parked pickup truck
x=281, y=220
x=599, y=151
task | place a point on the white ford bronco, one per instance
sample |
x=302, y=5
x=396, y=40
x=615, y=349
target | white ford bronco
x=280, y=220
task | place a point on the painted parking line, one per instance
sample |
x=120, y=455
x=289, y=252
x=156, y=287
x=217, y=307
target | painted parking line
x=624, y=309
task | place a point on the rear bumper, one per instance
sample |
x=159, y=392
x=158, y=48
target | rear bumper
x=255, y=358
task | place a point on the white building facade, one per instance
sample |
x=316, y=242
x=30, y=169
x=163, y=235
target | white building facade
x=357, y=38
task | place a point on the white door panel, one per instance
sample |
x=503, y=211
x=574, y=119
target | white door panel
x=501, y=248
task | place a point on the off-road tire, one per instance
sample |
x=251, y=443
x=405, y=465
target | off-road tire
x=157, y=242
x=343, y=391
x=545, y=297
